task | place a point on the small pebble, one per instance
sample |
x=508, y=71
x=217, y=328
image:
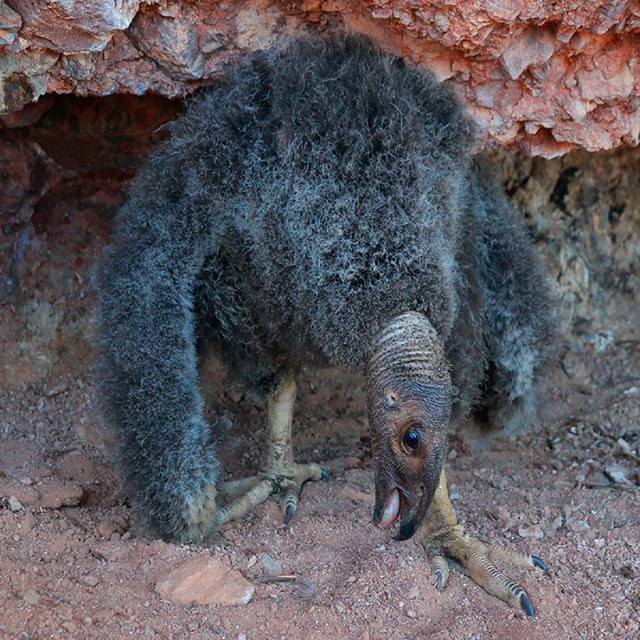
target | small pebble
x=31, y=596
x=623, y=446
x=14, y=504
x=29, y=522
x=90, y=581
x=270, y=566
x=501, y=514
x=106, y=551
x=534, y=531
x=616, y=474
x=105, y=529
x=56, y=390
x=578, y=526
x=205, y=581
x=411, y=613
x=414, y=592
x=104, y=614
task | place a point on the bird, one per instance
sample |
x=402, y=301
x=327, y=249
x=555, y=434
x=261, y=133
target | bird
x=320, y=205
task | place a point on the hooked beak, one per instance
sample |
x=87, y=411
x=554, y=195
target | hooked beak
x=394, y=502
x=407, y=501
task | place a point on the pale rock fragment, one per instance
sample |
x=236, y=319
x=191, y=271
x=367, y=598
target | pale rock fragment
x=534, y=531
x=270, y=566
x=593, y=85
x=533, y=46
x=205, y=581
x=10, y=23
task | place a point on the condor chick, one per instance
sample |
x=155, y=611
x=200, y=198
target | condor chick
x=320, y=206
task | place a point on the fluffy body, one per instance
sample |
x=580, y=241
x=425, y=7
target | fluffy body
x=310, y=196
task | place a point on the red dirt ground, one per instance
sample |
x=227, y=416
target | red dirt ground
x=568, y=492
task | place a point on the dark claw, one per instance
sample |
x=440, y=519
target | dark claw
x=288, y=514
x=440, y=576
x=526, y=604
x=325, y=473
x=538, y=563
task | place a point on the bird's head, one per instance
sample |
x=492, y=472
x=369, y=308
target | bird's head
x=409, y=406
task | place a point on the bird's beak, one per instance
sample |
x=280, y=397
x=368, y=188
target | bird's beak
x=415, y=511
x=399, y=496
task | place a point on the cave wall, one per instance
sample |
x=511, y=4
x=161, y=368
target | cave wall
x=544, y=77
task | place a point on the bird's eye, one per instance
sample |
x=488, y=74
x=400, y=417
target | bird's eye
x=411, y=440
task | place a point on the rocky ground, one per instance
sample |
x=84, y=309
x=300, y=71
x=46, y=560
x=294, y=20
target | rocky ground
x=76, y=564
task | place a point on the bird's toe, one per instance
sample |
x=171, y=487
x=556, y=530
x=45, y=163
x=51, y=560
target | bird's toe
x=537, y=562
x=526, y=605
x=442, y=569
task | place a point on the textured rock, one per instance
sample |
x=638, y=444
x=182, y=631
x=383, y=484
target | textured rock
x=534, y=531
x=172, y=42
x=270, y=566
x=205, y=581
x=540, y=76
x=584, y=214
x=53, y=494
x=73, y=27
x=531, y=47
x=10, y=23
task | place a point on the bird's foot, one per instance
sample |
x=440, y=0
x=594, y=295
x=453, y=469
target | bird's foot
x=286, y=481
x=282, y=475
x=443, y=539
x=476, y=559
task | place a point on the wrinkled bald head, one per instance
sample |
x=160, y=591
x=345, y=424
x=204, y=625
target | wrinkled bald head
x=409, y=406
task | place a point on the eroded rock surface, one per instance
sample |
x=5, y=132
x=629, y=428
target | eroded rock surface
x=544, y=77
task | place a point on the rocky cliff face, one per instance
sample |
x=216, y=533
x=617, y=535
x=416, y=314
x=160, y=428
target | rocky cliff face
x=543, y=78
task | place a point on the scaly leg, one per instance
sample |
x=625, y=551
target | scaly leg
x=281, y=475
x=442, y=537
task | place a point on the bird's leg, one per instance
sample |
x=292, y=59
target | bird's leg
x=442, y=537
x=281, y=466
x=281, y=475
